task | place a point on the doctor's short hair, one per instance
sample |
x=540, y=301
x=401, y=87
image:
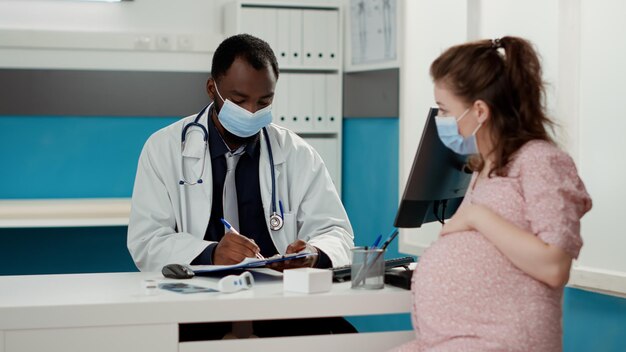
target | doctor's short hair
x=253, y=50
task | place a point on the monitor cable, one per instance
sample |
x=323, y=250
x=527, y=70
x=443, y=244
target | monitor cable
x=443, y=203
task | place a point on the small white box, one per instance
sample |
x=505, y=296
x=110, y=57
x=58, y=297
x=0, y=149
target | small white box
x=307, y=280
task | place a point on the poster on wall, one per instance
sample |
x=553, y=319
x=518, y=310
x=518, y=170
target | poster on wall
x=372, y=35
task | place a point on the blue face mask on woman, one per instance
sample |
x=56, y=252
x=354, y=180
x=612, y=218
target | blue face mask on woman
x=241, y=122
x=448, y=130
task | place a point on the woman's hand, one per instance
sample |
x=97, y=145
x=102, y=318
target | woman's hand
x=463, y=220
x=544, y=262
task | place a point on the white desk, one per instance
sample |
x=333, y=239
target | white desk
x=110, y=312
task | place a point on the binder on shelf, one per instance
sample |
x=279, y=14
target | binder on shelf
x=319, y=102
x=295, y=102
x=295, y=37
x=305, y=93
x=281, y=101
x=331, y=39
x=333, y=102
x=312, y=36
x=260, y=22
x=282, y=50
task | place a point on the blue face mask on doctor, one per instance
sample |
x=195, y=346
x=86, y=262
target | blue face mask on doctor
x=448, y=130
x=241, y=122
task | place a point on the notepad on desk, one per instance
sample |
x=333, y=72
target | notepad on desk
x=249, y=263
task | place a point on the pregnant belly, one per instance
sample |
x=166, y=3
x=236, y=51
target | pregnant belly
x=464, y=285
x=463, y=264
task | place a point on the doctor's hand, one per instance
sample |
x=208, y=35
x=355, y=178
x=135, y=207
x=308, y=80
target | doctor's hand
x=295, y=247
x=233, y=248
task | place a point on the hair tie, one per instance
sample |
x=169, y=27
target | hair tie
x=496, y=43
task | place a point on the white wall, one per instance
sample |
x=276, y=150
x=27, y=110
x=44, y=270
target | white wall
x=535, y=20
x=583, y=54
x=137, y=15
x=602, y=137
x=429, y=28
x=54, y=34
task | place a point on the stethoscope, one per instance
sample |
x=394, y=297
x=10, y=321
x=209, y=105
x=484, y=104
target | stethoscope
x=276, y=220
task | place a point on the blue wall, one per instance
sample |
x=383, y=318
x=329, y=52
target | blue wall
x=593, y=322
x=370, y=177
x=370, y=194
x=69, y=157
x=51, y=157
x=72, y=157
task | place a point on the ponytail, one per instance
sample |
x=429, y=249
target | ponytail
x=523, y=71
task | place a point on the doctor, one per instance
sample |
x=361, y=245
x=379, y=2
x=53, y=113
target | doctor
x=229, y=161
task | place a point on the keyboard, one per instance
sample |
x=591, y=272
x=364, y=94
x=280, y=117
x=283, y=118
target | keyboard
x=342, y=273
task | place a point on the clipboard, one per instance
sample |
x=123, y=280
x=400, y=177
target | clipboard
x=249, y=263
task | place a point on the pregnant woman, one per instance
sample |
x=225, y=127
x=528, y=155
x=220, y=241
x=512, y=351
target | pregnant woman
x=493, y=280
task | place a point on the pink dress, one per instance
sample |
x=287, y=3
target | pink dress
x=468, y=296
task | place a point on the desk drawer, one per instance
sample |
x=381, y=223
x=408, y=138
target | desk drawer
x=378, y=341
x=153, y=338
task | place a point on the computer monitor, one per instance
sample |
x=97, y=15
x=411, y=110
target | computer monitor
x=437, y=183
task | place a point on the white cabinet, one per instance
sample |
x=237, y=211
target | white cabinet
x=306, y=41
x=326, y=146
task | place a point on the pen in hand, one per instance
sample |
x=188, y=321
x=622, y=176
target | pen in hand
x=231, y=228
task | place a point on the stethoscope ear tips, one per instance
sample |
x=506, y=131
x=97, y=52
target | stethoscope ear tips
x=200, y=181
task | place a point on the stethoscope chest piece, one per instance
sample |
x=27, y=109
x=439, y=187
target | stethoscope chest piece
x=276, y=222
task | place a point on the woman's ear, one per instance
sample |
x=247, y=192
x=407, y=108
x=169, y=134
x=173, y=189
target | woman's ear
x=484, y=113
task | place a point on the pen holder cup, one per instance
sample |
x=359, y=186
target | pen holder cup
x=368, y=268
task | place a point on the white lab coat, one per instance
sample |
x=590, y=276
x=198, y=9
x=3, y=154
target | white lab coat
x=168, y=221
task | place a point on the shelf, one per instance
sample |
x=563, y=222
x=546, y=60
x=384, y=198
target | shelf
x=64, y=212
x=607, y=282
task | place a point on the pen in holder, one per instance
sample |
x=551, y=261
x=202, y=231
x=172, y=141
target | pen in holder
x=368, y=268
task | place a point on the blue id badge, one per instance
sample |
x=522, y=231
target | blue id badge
x=181, y=287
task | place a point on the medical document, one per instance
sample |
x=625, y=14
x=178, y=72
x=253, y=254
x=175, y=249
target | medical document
x=248, y=263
